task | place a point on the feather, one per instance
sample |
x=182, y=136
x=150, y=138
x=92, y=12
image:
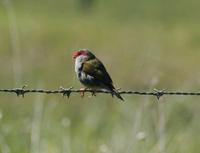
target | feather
x=96, y=69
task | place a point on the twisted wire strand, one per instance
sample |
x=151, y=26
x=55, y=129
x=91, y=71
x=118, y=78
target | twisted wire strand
x=67, y=92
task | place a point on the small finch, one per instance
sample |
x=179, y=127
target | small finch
x=91, y=72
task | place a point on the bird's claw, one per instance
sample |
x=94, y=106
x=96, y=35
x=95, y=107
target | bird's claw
x=82, y=92
x=93, y=93
x=112, y=94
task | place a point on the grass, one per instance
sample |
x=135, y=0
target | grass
x=144, y=45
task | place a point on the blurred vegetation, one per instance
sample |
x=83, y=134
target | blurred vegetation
x=144, y=45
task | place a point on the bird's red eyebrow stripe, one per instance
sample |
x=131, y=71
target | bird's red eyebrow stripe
x=77, y=53
x=82, y=52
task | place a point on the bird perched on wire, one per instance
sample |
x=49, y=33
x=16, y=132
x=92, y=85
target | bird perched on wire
x=91, y=72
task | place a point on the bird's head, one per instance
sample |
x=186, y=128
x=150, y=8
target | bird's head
x=82, y=54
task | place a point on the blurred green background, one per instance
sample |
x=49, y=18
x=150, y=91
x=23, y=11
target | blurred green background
x=144, y=45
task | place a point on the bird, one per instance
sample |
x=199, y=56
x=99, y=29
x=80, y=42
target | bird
x=92, y=73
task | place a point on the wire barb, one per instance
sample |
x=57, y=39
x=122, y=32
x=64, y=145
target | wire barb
x=66, y=92
x=159, y=93
x=20, y=91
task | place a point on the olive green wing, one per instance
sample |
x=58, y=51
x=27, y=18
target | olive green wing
x=95, y=68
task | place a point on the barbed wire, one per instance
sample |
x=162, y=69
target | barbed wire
x=67, y=92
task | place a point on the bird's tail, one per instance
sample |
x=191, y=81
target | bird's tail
x=116, y=93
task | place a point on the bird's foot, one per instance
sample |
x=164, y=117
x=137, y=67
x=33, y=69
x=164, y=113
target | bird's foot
x=93, y=93
x=82, y=92
x=112, y=94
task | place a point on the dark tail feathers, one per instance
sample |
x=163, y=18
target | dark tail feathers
x=114, y=92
